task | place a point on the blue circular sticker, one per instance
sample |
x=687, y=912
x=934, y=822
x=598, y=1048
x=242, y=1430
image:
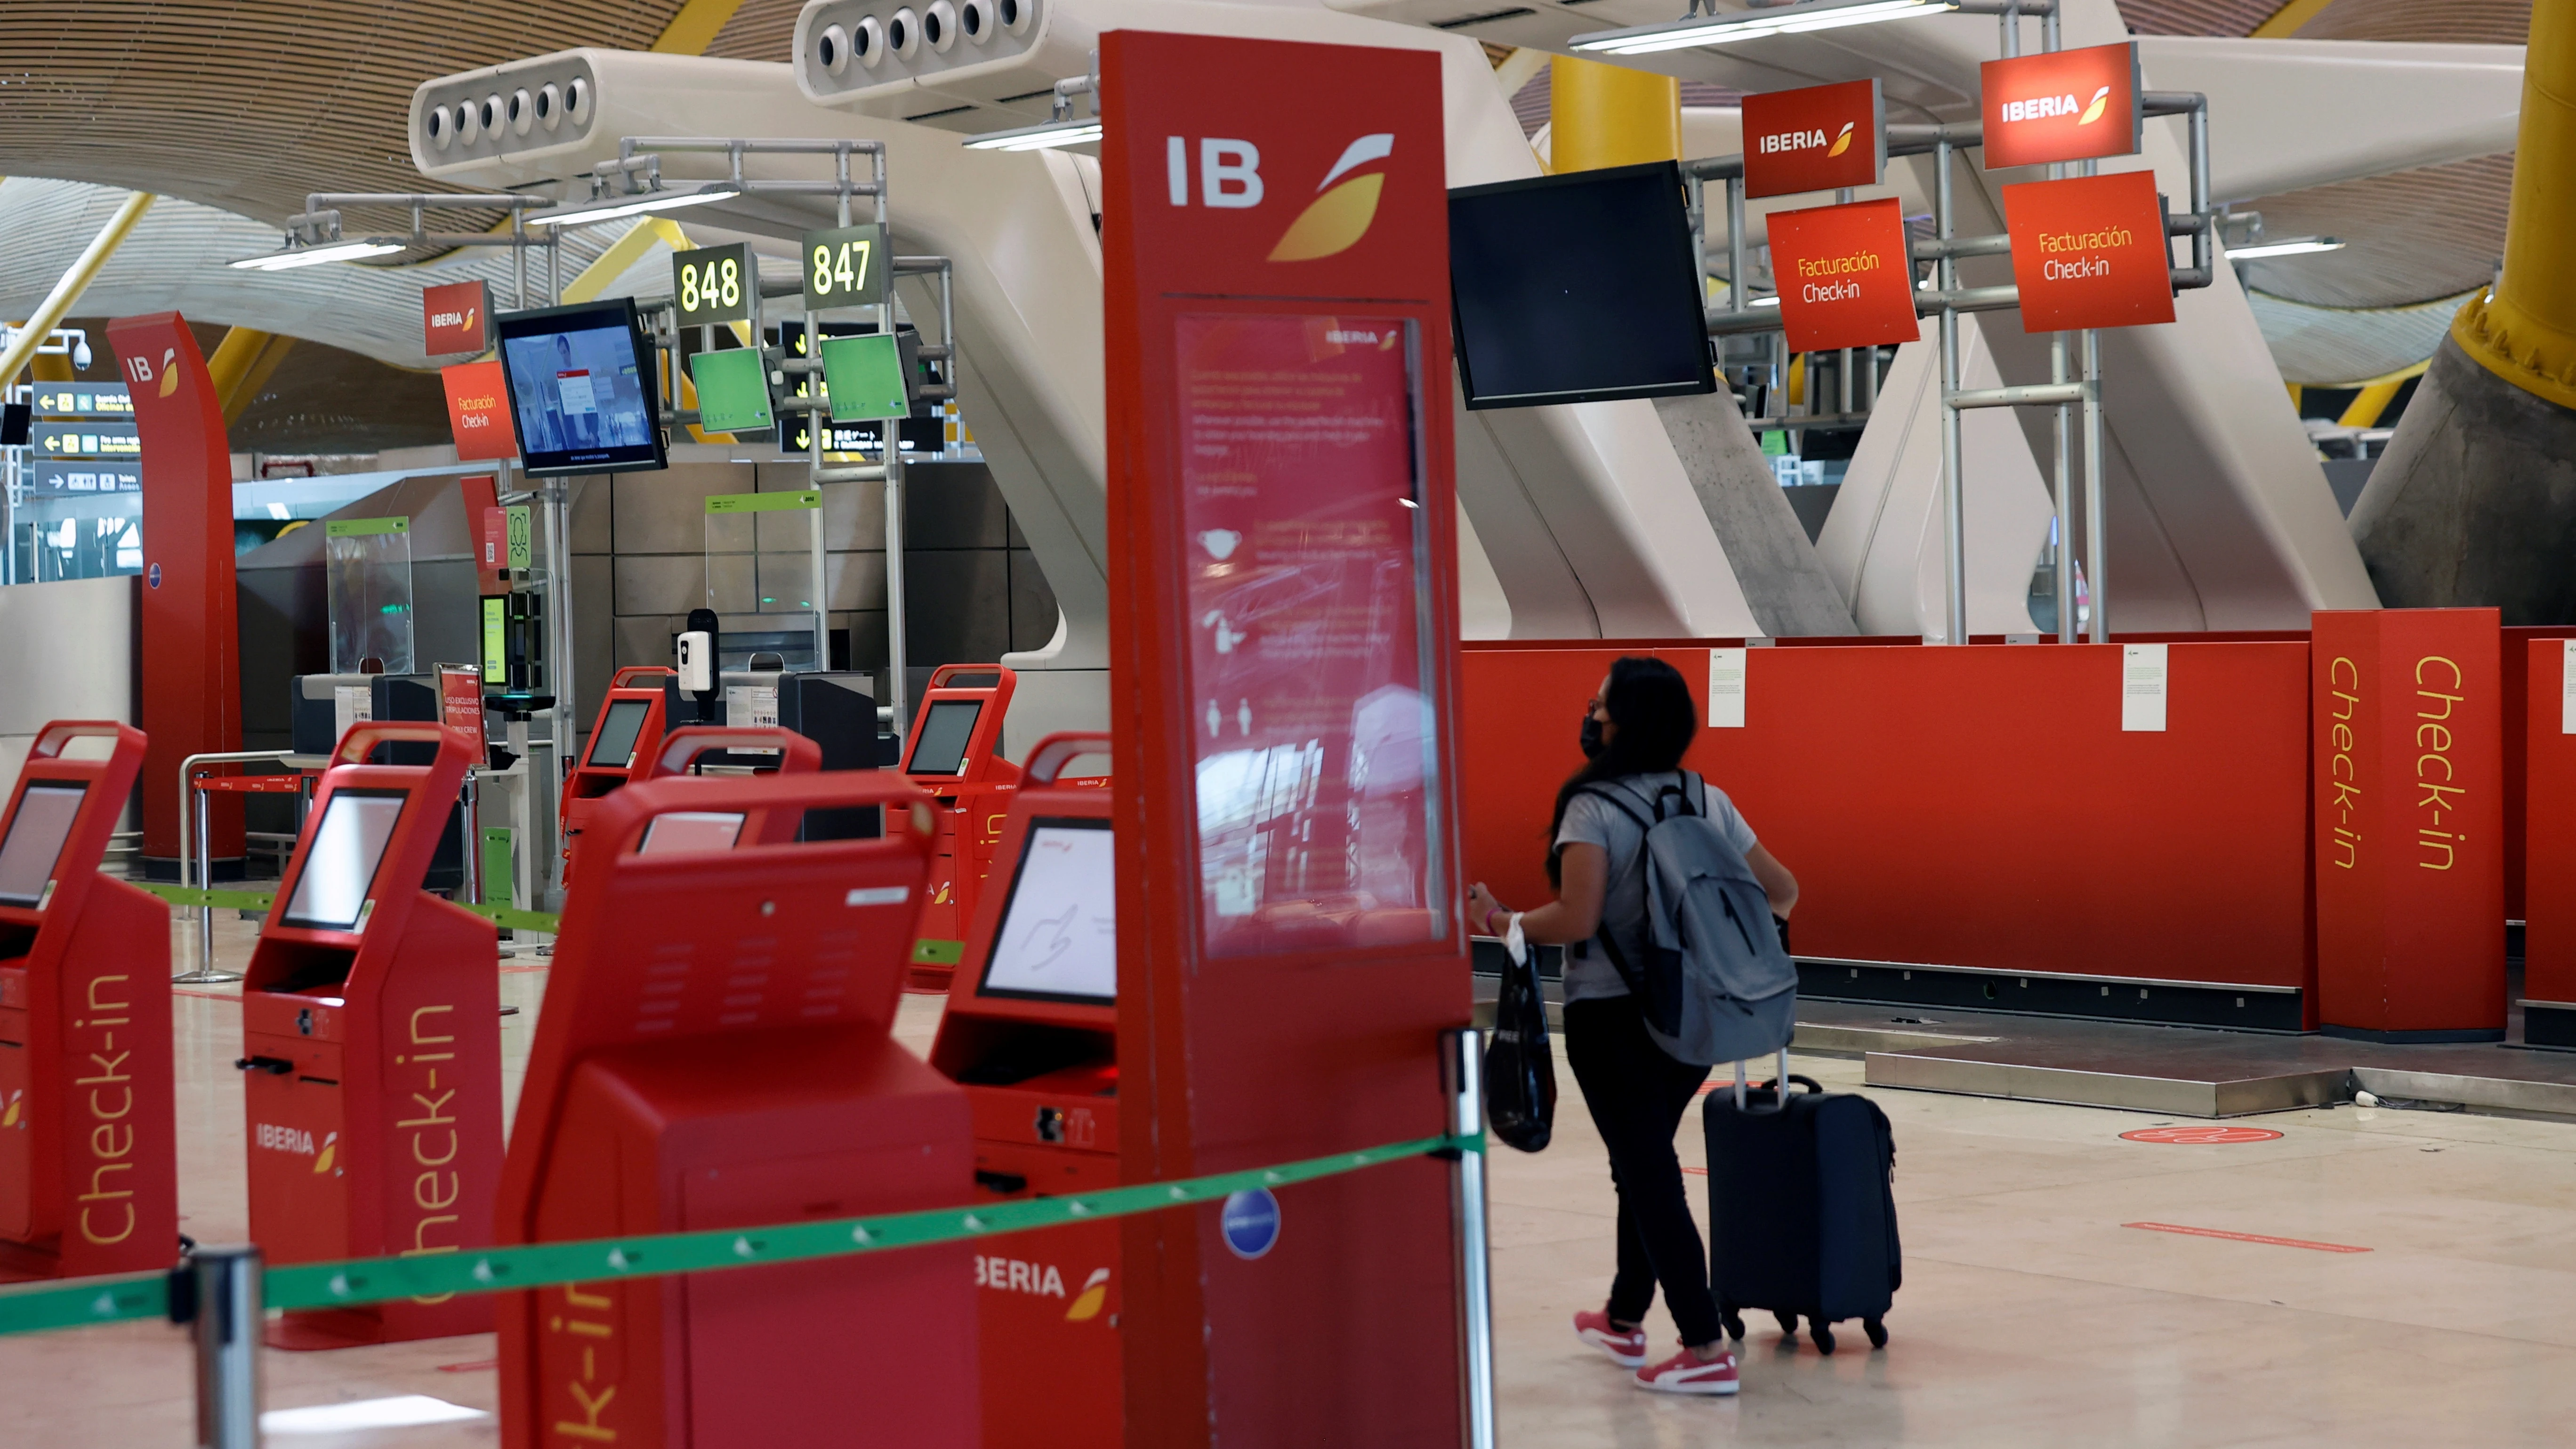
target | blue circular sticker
x=156, y=576
x=1251, y=1222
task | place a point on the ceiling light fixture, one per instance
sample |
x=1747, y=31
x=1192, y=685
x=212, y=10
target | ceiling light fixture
x=1753, y=25
x=2297, y=246
x=293, y=257
x=1046, y=136
x=609, y=208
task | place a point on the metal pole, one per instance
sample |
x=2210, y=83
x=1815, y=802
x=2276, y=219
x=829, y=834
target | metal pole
x=558, y=497
x=1464, y=1057
x=2065, y=551
x=227, y=1332
x=2097, y=522
x=473, y=835
x=1954, y=562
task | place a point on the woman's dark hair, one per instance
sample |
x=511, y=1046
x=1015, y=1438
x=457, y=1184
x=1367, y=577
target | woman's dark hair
x=1652, y=707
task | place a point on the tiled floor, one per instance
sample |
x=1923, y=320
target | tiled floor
x=2031, y=1314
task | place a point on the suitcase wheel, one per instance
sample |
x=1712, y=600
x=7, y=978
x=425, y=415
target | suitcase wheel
x=1732, y=1322
x=1823, y=1336
x=1788, y=1322
x=1876, y=1328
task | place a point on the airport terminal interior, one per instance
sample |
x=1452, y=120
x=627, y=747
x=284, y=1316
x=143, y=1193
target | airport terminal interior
x=1156, y=724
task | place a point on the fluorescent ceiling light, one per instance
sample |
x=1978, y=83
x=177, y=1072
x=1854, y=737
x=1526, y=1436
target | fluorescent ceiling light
x=2293, y=247
x=400, y=1412
x=1753, y=24
x=1046, y=137
x=289, y=260
x=609, y=208
x=1764, y=302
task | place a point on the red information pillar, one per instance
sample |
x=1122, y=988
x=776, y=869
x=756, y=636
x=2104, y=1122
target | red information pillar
x=191, y=645
x=2410, y=824
x=2549, y=858
x=1282, y=610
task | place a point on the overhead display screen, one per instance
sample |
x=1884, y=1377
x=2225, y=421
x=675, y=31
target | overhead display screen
x=1059, y=934
x=1577, y=288
x=37, y=834
x=582, y=389
x=683, y=830
x=945, y=731
x=340, y=864
x=613, y=747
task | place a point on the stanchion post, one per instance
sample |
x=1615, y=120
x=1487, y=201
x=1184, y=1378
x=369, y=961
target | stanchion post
x=227, y=1328
x=1463, y=1068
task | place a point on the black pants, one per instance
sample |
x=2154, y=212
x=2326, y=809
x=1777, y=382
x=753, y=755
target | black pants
x=1637, y=1095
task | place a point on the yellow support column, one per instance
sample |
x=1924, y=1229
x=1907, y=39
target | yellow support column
x=242, y=364
x=1608, y=115
x=2524, y=328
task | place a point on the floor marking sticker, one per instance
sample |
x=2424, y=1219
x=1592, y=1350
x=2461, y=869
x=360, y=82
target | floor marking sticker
x=2199, y=1136
x=2246, y=1237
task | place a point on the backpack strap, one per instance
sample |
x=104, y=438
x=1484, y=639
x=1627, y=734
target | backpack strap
x=1618, y=797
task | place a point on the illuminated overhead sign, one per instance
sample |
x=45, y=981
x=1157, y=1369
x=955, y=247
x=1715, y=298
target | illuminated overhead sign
x=453, y=318
x=2089, y=251
x=478, y=410
x=86, y=440
x=82, y=399
x=2061, y=105
x=1844, y=275
x=1816, y=138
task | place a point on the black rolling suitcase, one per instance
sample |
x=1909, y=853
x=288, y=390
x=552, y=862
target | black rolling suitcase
x=1802, y=1219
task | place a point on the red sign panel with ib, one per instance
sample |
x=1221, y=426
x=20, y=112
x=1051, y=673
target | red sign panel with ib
x=1844, y=276
x=2089, y=251
x=478, y=410
x=454, y=318
x=1815, y=138
x=2061, y=105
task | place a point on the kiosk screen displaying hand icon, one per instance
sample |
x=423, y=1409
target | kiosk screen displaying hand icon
x=1059, y=931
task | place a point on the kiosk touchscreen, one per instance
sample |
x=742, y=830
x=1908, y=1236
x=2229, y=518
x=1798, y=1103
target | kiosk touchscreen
x=628, y=731
x=88, y=1142
x=954, y=752
x=1031, y=1033
x=715, y=1052
x=371, y=1044
x=788, y=752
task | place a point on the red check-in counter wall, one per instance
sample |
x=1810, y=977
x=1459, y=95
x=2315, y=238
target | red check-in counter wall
x=1971, y=826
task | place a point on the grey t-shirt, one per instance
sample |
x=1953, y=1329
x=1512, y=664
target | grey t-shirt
x=1591, y=820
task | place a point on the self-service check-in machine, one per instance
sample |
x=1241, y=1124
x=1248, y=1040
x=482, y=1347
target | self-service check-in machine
x=955, y=753
x=715, y=1053
x=629, y=730
x=682, y=748
x=371, y=1044
x=1031, y=1032
x=88, y=1147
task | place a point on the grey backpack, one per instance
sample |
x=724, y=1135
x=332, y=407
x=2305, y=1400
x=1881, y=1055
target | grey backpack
x=1714, y=980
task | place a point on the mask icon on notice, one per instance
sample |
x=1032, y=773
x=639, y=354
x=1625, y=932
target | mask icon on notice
x=1591, y=738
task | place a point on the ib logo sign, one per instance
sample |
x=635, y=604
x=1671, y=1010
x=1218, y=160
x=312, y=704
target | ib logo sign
x=1229, y=178
x=1250, y=1222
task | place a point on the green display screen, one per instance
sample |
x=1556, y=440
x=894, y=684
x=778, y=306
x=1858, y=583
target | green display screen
x=863, y=378
x=733, y=391
x=496, y=633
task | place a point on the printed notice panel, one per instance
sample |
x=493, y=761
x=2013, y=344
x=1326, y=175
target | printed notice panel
x=1815, y=138
x=2089, y=251
x=1844, y=276
x=1310, y=695
x=2061, y=105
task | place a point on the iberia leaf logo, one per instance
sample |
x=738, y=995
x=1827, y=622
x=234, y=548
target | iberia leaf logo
x=1336, y=220
x=1086, y=1305
x=2093, y=112
x=1842, y=142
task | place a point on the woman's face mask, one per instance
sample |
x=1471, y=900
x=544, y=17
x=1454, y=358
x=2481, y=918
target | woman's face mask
x=1591, y=736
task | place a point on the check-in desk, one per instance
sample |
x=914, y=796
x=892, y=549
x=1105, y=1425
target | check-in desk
x=1031, y=1032
x=88, y=1149
x=371, y=1044
x=955, y=753
x=714, y=1052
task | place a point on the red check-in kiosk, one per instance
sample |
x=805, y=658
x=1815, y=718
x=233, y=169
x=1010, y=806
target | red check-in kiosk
x=955, y=753
x=1031, y=1031
x=714, y=1053
x=371, y=1045
x=627, y=733
x=88, y=1150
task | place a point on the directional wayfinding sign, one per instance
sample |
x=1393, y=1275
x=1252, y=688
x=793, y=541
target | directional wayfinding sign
x=1815, y=138
x=82, y=399
x=714, y=284
x=2089, y=251
x=85, y=439
x=1845, y=276
x=104, y=475
x=2061, y=105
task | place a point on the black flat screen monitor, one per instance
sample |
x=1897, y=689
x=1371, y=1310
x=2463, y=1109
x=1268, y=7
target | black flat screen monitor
x=1058, y=940
x=684, y=830
x=37, y=834
x=612, y=746
x=339, y=873
x=941, y=750
x=583, y=393
x=1577, y=288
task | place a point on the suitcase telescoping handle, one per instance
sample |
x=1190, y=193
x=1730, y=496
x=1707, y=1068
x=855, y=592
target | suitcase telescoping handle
x=1781, y=1104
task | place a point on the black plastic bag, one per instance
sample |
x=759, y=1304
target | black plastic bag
x=1520, y=1071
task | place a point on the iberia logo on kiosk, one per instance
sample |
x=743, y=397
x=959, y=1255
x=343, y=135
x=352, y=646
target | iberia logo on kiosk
x=1815, y=138
x=2061, y=105
x=1243, y=195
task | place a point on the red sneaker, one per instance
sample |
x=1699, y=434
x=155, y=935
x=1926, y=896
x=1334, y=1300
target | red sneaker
x=1687, y=1373
x=1627, y=1348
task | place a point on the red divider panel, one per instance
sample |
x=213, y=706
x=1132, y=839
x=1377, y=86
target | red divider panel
x=1284, y=643
x=2522, y=690
x=88, y=1144
x=2409, y=824
x=1964, y=806
x=2549, y=931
